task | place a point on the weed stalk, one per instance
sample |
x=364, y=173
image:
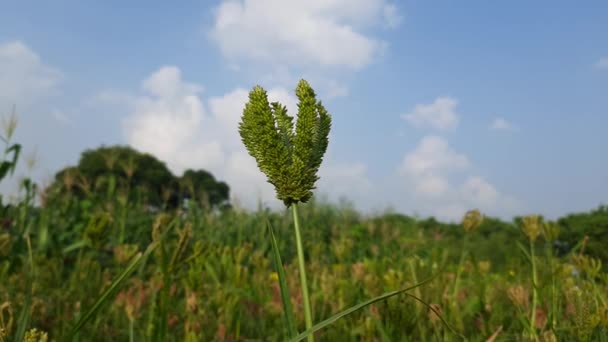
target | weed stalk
x=302, y=269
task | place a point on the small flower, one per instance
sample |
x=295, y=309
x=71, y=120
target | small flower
x=274, y=276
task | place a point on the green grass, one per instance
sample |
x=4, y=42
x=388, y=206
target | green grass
x=71, y=269
x=221, y=285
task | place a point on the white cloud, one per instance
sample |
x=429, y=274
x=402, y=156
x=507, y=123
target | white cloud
x=438, y=115
x=335, y=89
x=166, y=121
x=171, y=121
x=392, y=16
x=302, y=32
x=433, y=155
x=24, y=78
x=348, y=180
x=27, y=82
x=602, y=63
x=479, y=192
x=61, y=117
x=427, y=167
x=429, y=175
x=501, y=124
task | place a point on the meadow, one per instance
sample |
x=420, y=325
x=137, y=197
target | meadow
x=93, y=262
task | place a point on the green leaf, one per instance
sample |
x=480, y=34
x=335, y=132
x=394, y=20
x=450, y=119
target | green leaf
x=285, y=297
x=16, y=149
x=24, y=316
x=355, y=308
x=109, y=293
x=75, y=246
x=524, y=251
x=430, y=307
x=4, y=169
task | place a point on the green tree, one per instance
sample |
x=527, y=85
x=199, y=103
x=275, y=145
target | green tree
x=110, y=170
x=201, y=186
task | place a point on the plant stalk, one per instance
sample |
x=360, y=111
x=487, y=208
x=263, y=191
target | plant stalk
x=305, y=300
x=534, y=294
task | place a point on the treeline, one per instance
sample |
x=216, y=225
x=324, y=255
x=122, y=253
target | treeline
x=137, y=177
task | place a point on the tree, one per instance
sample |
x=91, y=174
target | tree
x=201, y=186
x=122, y=170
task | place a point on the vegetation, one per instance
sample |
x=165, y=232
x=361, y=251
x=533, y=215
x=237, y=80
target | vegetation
x=99, y=265
x=139, y=177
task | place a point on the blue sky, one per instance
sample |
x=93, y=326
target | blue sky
x=438, y=107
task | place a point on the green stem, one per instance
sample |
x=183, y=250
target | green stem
x=534, y=294
x=305, y=300
x=459, y=269
x=553, y=291
x=131, y=332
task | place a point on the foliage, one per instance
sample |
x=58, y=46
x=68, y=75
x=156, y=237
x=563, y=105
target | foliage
x=289, y=159
x=138, y=176
x=209, y=275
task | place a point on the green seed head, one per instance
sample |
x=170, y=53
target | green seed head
x=472, y=220
x=532, y=226
x=550, y=231
x=289, y=156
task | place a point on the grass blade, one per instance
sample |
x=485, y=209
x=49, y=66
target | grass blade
x=285, y=297
x=24, y=317
x=431, y=308
x=524, y=251
x=357, y=307
x=106, y=296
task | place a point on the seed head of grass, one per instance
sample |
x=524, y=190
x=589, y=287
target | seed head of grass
x=35, y=335
x=532, y=226
x=472, y=220
x=550, y=231
x=290, y=157
x=9, y=125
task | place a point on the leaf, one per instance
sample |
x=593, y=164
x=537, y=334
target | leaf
x=4, y=168
x=76, y=245
x=24, y=316
x=212, y=273
x=355, y=308
x=107, y=295
x=285, y=297
x=525, y=251
x=430, y=307
x=16, y=149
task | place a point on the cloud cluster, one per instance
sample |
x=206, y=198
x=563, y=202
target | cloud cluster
x=170, y=120
x=438, y=115
x=440, y=177
x=24, y=78
x=501, y=124
x=278, y=42
x=302, y=32
x=429, y=164
x=27, y=83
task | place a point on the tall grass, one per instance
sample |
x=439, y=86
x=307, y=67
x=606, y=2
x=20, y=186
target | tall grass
x=73, y=270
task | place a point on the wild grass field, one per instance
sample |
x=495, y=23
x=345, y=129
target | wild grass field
x=95, y=258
